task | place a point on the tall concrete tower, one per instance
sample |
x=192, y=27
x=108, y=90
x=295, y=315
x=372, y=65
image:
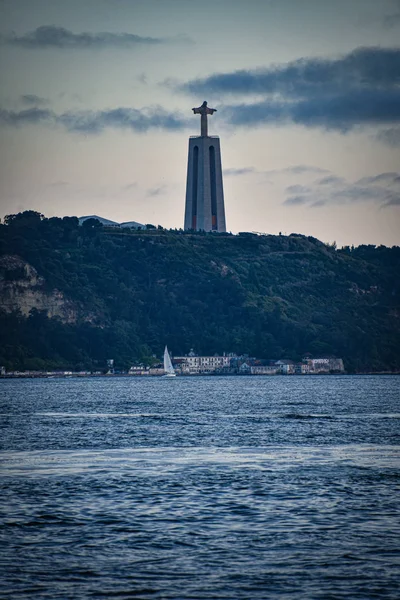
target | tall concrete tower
x=204, y=208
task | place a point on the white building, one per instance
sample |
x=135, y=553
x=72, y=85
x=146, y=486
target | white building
x=202, y=364
x=324, y=365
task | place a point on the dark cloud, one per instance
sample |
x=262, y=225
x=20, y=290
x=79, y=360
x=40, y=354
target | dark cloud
x=360, y=88
x=50, y=36
x=235, y=172
x=33, y=99
x=26, y=117
x=122, y=118
x=92, y=122
x=360, y=69
x=341, y=112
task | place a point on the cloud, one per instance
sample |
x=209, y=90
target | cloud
x=359, y=88
x=304, y=77
x=236, y=172
x=92, y=122
x=382, y=189
x=142, y=78
x=340, y=112
x=130, y=186
x=296, y=200
x=394, y=201
x=330, y=180
x=300, y=169
x=51, y=36
x=33, y=99
x=296, y=170
x=26, y=117
x=156, y=191
x=297, y=189
x=392, y=20
x=390, y=137
x=388, y=178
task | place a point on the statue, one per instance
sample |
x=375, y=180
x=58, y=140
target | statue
x=203, y=110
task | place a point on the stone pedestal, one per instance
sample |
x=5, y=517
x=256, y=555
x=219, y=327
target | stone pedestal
x=204, y=209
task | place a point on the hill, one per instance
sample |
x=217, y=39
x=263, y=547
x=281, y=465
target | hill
x=72, y=296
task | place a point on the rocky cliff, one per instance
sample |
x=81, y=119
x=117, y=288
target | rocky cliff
x=22, y=289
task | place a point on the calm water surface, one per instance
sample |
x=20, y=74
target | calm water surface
x=200, y=488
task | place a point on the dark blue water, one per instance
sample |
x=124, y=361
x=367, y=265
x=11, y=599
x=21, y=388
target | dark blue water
x=200, y=488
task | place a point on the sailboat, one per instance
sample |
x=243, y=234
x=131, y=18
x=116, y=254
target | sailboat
x=168, y=368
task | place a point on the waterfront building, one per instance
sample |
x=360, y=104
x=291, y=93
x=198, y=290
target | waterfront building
x=201, y=364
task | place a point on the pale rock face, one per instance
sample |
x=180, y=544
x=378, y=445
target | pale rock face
x=21, y=288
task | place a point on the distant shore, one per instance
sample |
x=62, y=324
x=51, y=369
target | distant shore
x=185, y=375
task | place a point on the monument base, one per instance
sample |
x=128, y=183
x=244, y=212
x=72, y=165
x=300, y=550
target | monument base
x=204, y=210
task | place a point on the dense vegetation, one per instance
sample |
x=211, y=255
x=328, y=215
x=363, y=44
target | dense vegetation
x=268, y=296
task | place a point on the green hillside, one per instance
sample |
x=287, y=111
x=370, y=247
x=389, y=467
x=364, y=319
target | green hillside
x=130, y=292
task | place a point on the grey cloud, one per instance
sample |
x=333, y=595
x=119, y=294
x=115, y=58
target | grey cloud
x=330, y=180
x=360, y=88
x=394, y=201
x=393, y=19
x=390, y=137
x=360, y=69
x=296, y=200
x=33, y=99
x=122, y=118
x=299, y=169
x=58, y=184
x=377, y=189
x=357, y=193
x=297, y=189
x=292, y=170
x=26, y=117
x=51, y=36
x=235, y=172
x=130, y=186
x=381, y=178
x=142, y=78
x=340, y=112
x=156, y=191
x=296, y=170
x=92, y=122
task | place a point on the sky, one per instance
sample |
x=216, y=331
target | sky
x=96, y=102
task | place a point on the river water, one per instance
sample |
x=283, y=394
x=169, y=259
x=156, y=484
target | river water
x=201, y=488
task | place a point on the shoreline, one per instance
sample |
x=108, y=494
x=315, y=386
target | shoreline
x=186, y=375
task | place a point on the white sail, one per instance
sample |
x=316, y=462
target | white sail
x=168, y=368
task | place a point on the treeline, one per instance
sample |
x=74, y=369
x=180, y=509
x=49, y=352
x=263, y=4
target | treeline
x=134, y=291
